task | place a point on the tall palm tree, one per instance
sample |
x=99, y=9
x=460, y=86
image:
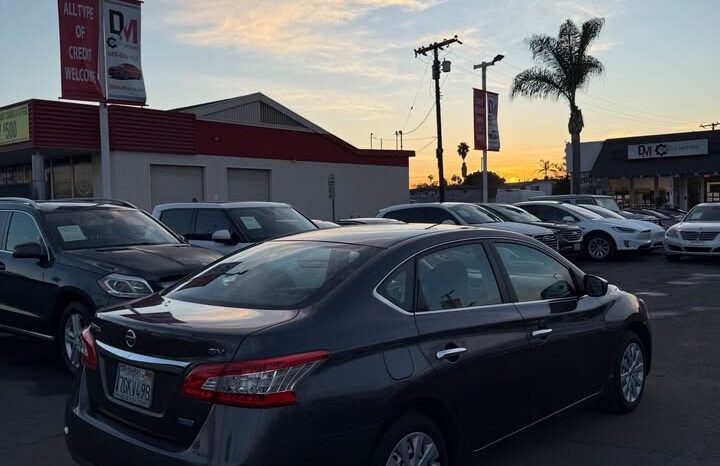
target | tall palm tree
x=463, y=149
x=546, y=167
x=564, y=68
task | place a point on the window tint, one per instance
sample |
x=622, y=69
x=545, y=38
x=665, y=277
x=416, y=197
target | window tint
x=4, y=218
x=22, y=230
x=398, y=288
x=209, y=221
x=456, y=277
x=263, y=223
x=179, y=220
x=535, y=275
x=274, y=275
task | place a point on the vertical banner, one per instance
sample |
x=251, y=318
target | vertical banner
x=79, y=22
x=122, y=64
x=493, y=130
x=479, y=119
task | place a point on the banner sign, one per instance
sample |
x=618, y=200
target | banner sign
x=667, y=149
x=122, y=64
x=79, y=49
x=493, y=130
x=479, y=119
x=14, y=125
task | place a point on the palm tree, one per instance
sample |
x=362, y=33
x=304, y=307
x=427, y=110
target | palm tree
x=565, y=67
x=546, y=167
x=463, y=150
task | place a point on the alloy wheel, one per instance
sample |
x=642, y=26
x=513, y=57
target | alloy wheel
x=632, y=372
x=73, y=330
x=599, y=247
x=415, y=449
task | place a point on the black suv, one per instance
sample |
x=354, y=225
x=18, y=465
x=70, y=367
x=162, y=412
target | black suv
x=60, y=261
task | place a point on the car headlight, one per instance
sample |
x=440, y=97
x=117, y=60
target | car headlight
x=625, y=229
x=672, y=233
x=123, y=286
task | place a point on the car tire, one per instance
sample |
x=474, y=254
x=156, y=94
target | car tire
x=673, y=257
x=403, y=434
x=600, y=247
x=629, y=376
x=75, y=317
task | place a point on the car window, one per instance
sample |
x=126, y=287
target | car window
x=434, y=215
x=704, y=213
x=263, y=223
x=473, y=215
x=179, y=220
x=4, y=218
x=585, y=200
x=398, y=288
x=22, y=230
x=208, y=222
x=534, y=275
x=456, y=277
x=274, y=275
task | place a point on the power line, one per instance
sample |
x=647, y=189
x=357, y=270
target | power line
x=711, y=125
x=417, y=93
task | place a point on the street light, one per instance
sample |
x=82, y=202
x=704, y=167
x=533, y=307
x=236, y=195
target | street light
x=484, y=65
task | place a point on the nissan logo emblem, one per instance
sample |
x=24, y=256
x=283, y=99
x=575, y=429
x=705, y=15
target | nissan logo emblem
x=130, y=338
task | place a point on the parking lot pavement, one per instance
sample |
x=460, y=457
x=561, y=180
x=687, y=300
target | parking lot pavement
x=677, y=424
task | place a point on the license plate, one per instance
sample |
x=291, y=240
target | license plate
x=134, y=385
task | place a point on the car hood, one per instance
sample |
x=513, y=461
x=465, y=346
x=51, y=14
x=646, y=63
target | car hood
x=615, y=222
x=522, y=228
x=157, y=262
x=654, y=227
x=698, y=226
x=556, y=226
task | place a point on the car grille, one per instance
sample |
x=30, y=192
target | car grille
x=699, y=235
x=548, y=240
x=698, y=249
x=571, y=236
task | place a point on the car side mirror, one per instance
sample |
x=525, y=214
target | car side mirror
x=595, y=286
x=568, y=219
x=222, y=236
x=29, y=251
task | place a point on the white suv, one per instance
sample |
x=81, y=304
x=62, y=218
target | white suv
x=698, y=234
x=602, y=236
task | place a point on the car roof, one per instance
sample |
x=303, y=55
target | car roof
x=219, y=205
x=540, y=202
x=385, y=236
x=569, y=196
x=67, y=204
x=425, y=204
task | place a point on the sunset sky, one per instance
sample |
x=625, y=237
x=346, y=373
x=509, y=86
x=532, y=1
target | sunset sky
x=348, y=65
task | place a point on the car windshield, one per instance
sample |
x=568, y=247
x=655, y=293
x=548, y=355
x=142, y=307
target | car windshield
x=704, y=213
x=582, y=212
x=602, y=211
x=608, y=203
x=516, y=214
x=263, y=223
x=105, y=228
x=274, y=275
x=472, y=215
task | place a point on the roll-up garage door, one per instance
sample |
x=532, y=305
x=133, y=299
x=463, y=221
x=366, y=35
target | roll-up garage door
x=173, y=183
x=248, y=185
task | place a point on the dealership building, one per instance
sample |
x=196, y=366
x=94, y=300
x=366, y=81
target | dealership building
x=679, y=170
x=248, y=148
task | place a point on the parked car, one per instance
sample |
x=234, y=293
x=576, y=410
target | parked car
x=459, y=213
x=665, y=219
x=637, y=216
x=369, y=221
x=124, y=72
x=230, y=226
x=569, y=236
x=594, y=199
x=657, y=233
x=355, y=346
x=60, y=261
x=698, y=234
x=603, y=237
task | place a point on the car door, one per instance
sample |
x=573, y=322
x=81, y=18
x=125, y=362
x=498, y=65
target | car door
x=24, y=303
x=210, y=221
x=571, y=342
x=474, y=339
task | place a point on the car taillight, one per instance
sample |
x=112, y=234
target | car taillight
x=87, y=349
x=261, y=383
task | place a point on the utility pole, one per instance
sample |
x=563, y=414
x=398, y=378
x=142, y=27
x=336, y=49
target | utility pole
x=484, y=65
x=434, y=47
x=711, y=125
x=371, y=140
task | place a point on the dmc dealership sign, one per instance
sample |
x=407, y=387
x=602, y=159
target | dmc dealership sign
x=667, y=149
x=121, y=36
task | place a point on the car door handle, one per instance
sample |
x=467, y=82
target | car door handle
x=446, y=353
x=543, y=332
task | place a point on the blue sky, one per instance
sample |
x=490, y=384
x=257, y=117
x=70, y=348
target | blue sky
x=348, y=65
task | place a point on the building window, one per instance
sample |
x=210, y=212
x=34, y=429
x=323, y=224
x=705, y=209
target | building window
x=15, y=175
x=69, y=178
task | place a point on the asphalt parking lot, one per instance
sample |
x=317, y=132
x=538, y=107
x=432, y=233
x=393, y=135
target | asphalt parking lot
x=677, y=424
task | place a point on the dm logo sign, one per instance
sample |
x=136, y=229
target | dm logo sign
x=123, y=65
x=667, y=149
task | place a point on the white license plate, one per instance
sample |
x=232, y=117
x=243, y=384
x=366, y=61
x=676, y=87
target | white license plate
x=134, y=385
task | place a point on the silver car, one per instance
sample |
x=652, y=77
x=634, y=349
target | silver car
x=698, y=234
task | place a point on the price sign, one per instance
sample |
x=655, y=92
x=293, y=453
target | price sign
x=14, y=125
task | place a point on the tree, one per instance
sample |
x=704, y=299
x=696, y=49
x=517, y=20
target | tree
x=456, y=180
x=565, y=67
x=463, y=149
x=547, y=168
x=430, y=179
x=475, y=179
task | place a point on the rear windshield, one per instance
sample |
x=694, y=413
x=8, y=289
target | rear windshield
x=516, y=214
x=263, y=223
x=472, y=215
x=275, y=275
x=582, y=212
x=608, y=203
x=705, y=213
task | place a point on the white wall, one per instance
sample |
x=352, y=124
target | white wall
x=361, y=190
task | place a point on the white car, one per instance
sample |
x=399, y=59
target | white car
x=698, y=234
x=657, y=233
x=461, y=213
x=603, y=237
